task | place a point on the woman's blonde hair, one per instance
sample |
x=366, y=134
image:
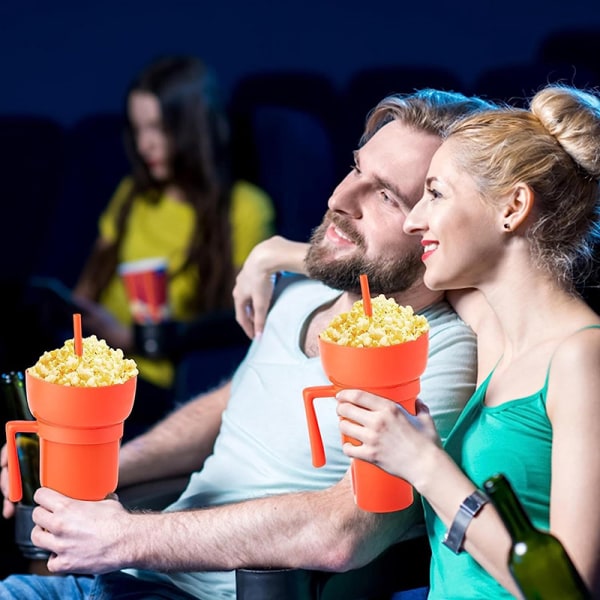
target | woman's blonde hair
x=554, y=148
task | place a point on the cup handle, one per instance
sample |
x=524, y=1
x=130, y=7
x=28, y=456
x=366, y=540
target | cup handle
x=314, y=433
x=15, y=485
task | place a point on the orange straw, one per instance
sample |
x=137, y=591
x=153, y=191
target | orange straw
x=366, y=295
x=77, y=334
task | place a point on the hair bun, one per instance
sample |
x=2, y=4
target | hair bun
x=572, y=116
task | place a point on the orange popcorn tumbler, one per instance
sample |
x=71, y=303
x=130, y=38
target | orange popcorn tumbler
x=392, y=372
x=80, y=429
x=380, y=347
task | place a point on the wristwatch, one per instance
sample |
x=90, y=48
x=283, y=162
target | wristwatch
x=470, y=506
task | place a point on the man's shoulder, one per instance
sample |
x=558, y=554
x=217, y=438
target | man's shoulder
x=294, y=285
x=443, y=318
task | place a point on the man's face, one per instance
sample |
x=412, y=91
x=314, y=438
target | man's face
x=362, y=232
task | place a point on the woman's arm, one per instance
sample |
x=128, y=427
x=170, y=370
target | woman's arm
x=97, y=271
x=573, y=406
x=254, y=284
x=378, y=424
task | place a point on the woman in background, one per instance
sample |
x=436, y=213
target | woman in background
x=178, y=203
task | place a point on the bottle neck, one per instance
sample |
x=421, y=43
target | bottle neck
x=14, y=398
x=509, y=507
x=18, y=384
x=8, y=398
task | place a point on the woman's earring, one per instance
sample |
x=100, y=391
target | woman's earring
x=506, y=226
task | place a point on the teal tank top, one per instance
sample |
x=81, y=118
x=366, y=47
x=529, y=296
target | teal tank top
x=514, y=438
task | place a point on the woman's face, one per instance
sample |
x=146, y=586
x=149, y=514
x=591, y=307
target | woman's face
x=461, y=233
x=150, y=138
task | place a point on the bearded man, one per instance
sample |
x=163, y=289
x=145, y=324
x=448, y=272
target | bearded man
x=254, y=498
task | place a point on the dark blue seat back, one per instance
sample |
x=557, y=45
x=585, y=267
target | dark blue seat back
x=516, y=83
x=96, y=163
x=32, y=163
x=575, y=46
x=295, y=167
x=308, y=91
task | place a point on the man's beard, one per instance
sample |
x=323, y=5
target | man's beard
x=386, y=275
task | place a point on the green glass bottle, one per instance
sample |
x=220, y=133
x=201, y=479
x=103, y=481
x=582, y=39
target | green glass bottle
x=18, y=383
x=9, y=408
x=28, y=449
x=12, y=386
x=537, y=560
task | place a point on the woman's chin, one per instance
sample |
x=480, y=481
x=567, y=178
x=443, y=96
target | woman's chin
x=159, y=175
x=435, y=283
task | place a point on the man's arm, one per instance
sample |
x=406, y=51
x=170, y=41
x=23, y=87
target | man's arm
x=321, y=530
x=177, y=445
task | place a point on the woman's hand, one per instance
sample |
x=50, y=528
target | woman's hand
x=389, y=436
x=96, y=320
x=254, y=284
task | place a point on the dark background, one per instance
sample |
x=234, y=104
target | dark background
x=69, y=58
x=69, y=62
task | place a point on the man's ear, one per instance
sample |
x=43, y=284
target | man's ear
x=518, y=206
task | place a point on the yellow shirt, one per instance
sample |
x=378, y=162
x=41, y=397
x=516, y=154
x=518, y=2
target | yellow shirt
x=163, y=229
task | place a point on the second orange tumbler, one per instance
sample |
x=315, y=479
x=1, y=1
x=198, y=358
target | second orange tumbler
x=80, y=429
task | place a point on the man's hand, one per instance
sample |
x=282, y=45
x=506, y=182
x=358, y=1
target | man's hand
x=8, y=508
x=83, y=537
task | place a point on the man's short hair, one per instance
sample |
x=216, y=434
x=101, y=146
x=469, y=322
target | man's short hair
x=428, y=110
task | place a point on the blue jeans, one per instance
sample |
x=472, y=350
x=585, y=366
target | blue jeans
x=416, y=594
x=73, y=587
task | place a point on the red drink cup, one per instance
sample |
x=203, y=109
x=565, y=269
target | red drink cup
x=146, y=286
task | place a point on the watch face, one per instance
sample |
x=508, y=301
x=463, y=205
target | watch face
x=474, y=502
x=470, y=505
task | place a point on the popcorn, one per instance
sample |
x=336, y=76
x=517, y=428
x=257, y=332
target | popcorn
x=389, y=324
x=99, y=365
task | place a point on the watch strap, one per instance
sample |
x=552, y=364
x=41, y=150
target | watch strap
x=470, y=506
